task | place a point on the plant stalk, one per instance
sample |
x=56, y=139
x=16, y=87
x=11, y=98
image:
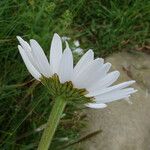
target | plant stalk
x=52, y=123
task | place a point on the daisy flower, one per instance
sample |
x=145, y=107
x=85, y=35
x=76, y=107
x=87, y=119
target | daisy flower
x=89, y=77
x=88, y=82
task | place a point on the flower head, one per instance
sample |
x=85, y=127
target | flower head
x=88, y=79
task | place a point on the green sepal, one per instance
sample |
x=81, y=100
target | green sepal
x=71, y=94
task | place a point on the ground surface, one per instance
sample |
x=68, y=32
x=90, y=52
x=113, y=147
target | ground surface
x=124, y=126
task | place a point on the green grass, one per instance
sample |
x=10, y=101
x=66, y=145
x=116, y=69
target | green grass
x=105, y=26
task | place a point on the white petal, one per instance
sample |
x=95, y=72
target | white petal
x=85, y=59
x=66, y=65
x=55, y=53
x=28, y=52
x=114, y=95
x=28, y=64
x=91, y=74
x=96, y=105
x=106, y=81
x=23, y=43
x=40, y=58
x=112, y=88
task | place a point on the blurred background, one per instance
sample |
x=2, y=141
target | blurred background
x=105, y=26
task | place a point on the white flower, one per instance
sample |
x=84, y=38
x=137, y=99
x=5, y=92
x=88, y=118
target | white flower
x=78, y=50
x=65, y=38
x=89, y=73
x=76, y=43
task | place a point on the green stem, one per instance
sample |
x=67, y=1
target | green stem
x=52, y=123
